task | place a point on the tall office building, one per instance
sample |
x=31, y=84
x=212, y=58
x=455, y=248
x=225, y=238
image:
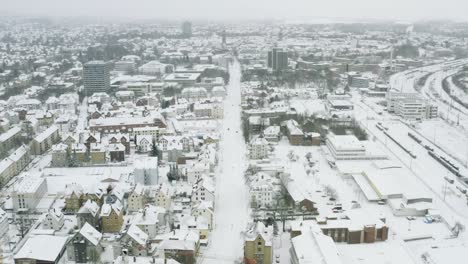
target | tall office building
x=223, y=37
x=96, y=77
x=187, y=29
x=277, y=59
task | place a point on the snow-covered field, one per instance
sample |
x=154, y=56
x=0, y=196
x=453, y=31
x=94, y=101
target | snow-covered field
x=231, y=204
x=453, y=141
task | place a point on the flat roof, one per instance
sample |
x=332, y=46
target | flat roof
x=42, y=247
x=346, y=142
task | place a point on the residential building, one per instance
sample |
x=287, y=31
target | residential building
x=262, y=191
x=28, y=193
x=258, y=244
x=203, y=190
x=73, y=197
x=135, y=242
x=258, y=148
x=195, y=169
x=163, y=196
x=84, y=246
x=116, y=152
x=181, y=245
x=89, y=213
x=272, y=134
x=112, y=217
x=151, y=220
x=60, y=155
x=146, y=171
x=124, y=124
x=53, y=219
x=137, y=199
x=9, y=138
x=3, y=223
x=44, y=141
x=204, y=209
x=144, y=143
x=14, y=164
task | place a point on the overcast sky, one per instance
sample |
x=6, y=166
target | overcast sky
x=243, y=9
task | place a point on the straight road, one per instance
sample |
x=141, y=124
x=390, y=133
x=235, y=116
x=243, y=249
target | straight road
x=231, y=204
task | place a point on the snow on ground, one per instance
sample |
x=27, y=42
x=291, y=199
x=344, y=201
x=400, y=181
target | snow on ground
x=83, y=115
x=453, y=141
x=282, y=244
x=347, y=191
x=231, y=204
x=424, y=167
x=446, y=251
x=457, y=91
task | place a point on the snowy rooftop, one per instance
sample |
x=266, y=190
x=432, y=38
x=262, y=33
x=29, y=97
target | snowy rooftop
x=91, y=234
x=47, y=133
x=345, y=142
x=137, y=235
x=42, y=247
x=315, y=247
x=29, y=185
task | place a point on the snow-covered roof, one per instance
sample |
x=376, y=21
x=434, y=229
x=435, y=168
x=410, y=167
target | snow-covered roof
x=345, y=142
x=146, y=163
x=137, y=235
x=206, y=183
x=259, y=229
x=91, y=234
x=90, y=207
x=29, y=185
x=107, y=209
x=42, y=247
x=47, y=133
x=10, y=133
x=314, y=247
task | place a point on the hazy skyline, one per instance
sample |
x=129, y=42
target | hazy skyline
x=410, y=10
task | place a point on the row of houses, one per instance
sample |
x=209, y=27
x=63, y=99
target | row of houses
x=14, y=164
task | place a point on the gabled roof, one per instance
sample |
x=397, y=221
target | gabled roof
x=137, y=235
x=73, y=188
x=206, y=183
x=107, y=209
x=91, y=234
x=90, y=207
x=260, y=230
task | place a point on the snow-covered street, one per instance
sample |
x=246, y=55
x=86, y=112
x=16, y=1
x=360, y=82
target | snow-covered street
x=231, y=205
